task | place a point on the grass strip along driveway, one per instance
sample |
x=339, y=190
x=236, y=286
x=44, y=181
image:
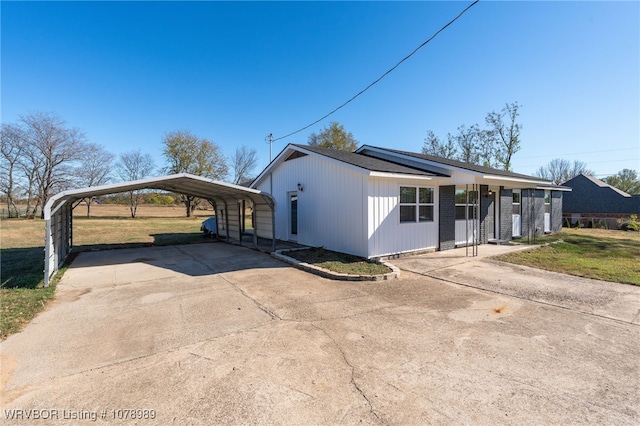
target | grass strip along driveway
x=591, y=253
x=338, y=262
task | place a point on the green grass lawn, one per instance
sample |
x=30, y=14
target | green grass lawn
x=22, y=295
x=592, y=253
x=338, y=262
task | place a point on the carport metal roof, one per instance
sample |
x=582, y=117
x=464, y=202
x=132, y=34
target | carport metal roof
x=58, y=218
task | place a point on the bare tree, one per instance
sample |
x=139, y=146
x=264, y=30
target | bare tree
x=434, y=146
x=94, y=169
x=491, y=147
x=30, y=164
x=52, y=149
x=506, y=133
x=11, y=150
x=560, y=170
x=134, y=165
x=186, y=153
x=243, y=162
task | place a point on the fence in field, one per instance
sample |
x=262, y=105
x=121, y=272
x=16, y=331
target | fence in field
x=21, y=212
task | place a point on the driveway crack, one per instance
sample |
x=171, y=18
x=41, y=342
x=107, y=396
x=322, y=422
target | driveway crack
x=352, y=381
x=260, y=306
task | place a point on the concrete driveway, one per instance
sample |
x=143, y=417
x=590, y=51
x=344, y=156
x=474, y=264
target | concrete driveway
x=214, y=333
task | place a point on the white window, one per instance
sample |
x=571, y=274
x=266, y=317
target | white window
x=516, y=201
x=547, y=201
x=416, y=204
x=465, y=203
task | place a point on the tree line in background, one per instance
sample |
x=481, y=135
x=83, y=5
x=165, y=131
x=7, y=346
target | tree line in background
x=493, y=146
x=41, y=156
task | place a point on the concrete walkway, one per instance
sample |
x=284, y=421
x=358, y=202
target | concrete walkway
x=610, y=300
x=220, y=334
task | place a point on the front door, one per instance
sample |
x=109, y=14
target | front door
x=517, y=214
x=293, y=216
x=547, y=211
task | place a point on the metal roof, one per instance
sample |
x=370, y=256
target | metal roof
x=182, y=183
x=365, y=162
x=457, y=164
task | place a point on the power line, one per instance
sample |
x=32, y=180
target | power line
x=600, y=162
x=382, y=76
x=577, y=153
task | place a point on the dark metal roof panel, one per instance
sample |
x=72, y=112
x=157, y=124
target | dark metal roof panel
x=365, y=162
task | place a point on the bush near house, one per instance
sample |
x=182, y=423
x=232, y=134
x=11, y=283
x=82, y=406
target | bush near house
x=632, y=225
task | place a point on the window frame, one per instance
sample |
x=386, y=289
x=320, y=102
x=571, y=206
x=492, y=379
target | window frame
x=417, y=204
x=547, y=201
x=471, y=202
x=518, y=203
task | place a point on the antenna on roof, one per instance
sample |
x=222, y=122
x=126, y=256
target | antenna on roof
x=269, y=139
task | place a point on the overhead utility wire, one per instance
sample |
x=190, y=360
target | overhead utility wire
x=383, y=75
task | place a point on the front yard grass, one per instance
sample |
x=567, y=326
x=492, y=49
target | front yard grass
x=338, y=262
x=591, y=253
x=22, y=295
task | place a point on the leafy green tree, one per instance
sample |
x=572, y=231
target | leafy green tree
x=186, y=153
x=434, y=146
x=625, y=180
x=335, y=137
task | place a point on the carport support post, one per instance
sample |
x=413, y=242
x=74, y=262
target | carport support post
x=254, y=223
x=273, y=228
x=47, y=252
x=239, y=205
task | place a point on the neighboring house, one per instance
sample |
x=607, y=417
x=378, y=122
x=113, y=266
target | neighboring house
x=593, y=199
x=378, y=202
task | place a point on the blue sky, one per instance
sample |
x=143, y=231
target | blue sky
x=127, y=73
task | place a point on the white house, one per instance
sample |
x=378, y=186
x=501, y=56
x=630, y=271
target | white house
x=378, y=202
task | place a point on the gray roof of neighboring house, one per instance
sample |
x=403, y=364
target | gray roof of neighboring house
x=602, y=184
x=365, y=162
x=591, y=195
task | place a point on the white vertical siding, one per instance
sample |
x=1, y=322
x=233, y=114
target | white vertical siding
x=385, y=234
x=331, y=207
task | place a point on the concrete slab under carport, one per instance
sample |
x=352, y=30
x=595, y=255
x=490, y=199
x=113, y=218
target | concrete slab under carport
x=257, y=341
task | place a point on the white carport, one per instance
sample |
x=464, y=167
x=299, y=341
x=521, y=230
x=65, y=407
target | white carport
x=227, y=200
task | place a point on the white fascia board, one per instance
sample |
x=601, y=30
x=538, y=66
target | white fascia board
x=275, y=162
x=398, y=176
x=515, y=179
x=553, y=188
